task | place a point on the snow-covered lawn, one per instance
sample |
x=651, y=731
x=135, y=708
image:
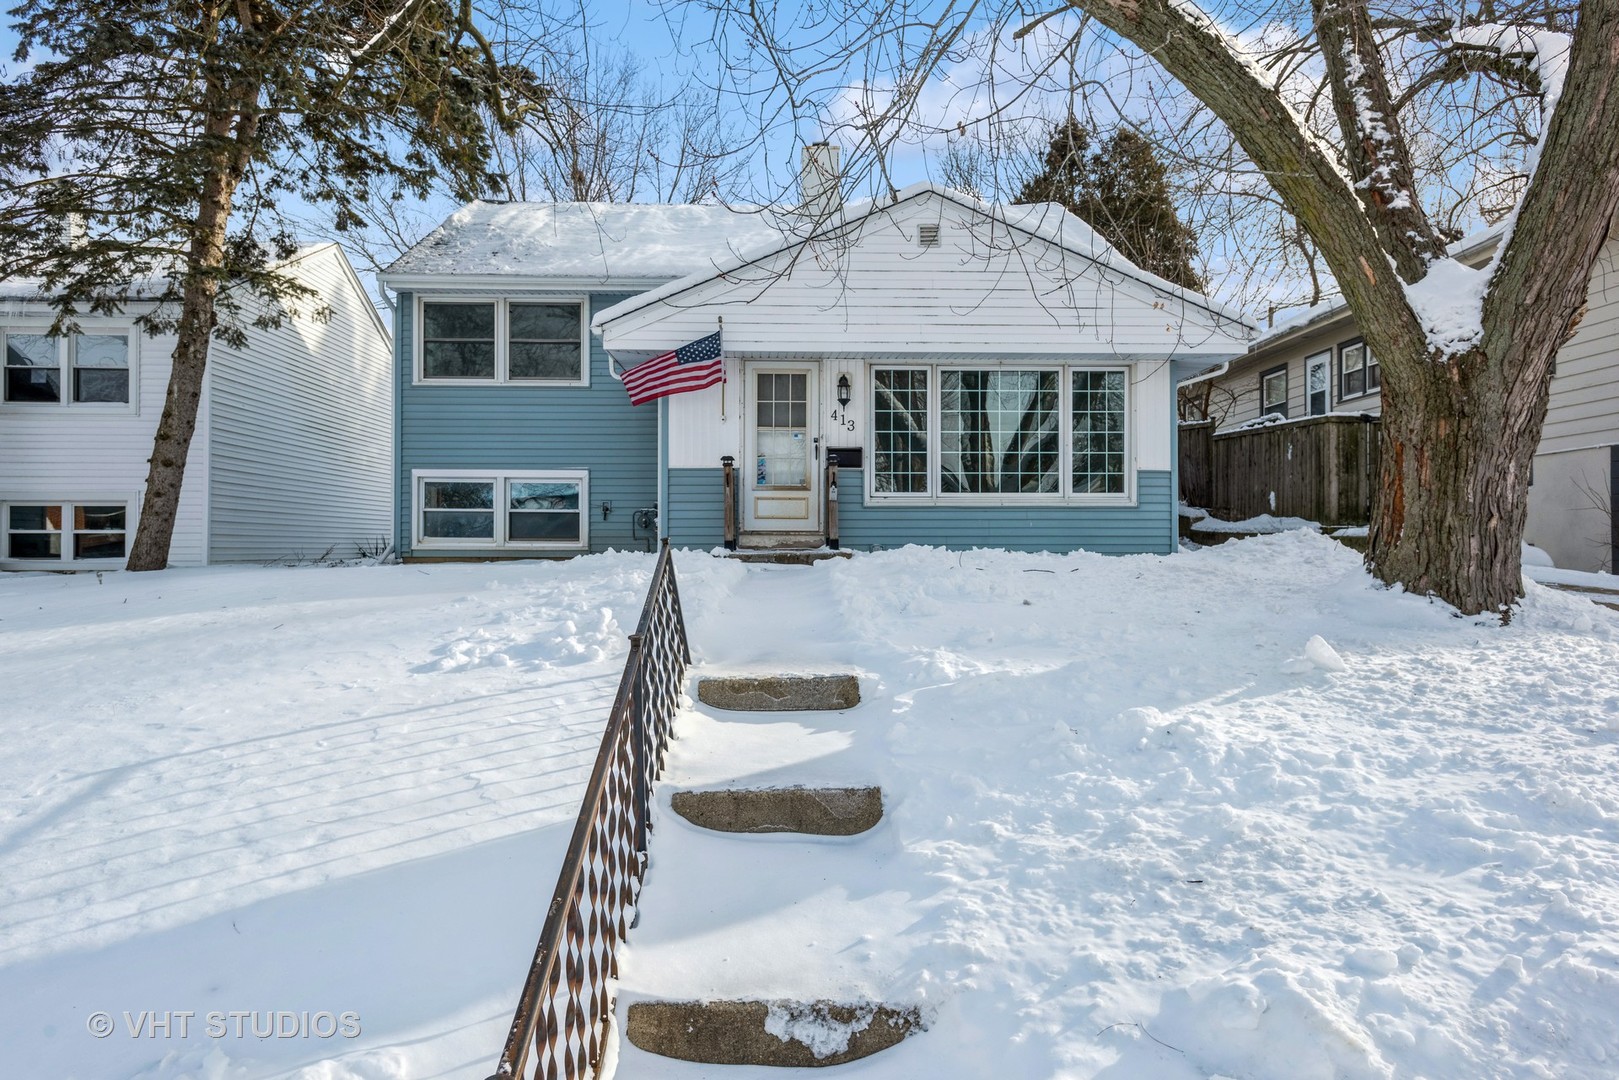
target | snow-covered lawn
x=1138, y=825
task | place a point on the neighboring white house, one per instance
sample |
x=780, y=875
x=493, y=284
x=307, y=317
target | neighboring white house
x=292, y=453
x=1316, y=364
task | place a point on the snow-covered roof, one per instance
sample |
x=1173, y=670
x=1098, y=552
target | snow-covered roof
x=585, y=242
x=1047, y=221
x=1472, y=249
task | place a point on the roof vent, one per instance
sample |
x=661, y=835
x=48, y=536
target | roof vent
x=927, y=235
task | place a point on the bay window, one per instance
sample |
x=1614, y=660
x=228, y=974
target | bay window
x=956, y=432
x=503, y=341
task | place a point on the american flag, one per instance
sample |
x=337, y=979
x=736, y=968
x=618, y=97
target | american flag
x=690, y=367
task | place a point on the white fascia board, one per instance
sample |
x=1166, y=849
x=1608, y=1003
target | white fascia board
x=500, y=282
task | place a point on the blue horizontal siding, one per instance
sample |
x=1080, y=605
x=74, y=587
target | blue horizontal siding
x=1147, y=527
x=528, y=428
x=697, y=519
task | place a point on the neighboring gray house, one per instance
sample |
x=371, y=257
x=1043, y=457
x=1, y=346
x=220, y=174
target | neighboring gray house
x=1316, y=364
x=986, y=376
x=291, y=457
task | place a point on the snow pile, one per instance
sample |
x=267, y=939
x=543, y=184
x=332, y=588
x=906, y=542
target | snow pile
x=1121, y=836
x=1449, y=302
x=1263, y=523
x=814, y=1027
x=1120, y=839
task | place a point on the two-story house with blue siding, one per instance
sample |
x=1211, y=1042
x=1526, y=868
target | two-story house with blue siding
x=512, y=436
x=984, y=376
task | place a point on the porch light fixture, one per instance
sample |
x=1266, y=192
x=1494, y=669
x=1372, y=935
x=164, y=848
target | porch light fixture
x=843, y=391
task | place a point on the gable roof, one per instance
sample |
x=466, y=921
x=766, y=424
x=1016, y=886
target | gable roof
x=595, y=243
x=1049, y=222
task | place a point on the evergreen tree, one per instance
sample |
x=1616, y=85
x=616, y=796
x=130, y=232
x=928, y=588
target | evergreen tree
x=168, y=133
x=1122, y=191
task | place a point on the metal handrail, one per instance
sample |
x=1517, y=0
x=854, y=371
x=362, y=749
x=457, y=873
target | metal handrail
x=565, y=1007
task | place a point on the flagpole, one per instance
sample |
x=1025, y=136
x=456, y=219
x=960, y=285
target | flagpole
x=723, y=361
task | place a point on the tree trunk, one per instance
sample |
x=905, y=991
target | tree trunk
x=232, y=129
x=1454, y=485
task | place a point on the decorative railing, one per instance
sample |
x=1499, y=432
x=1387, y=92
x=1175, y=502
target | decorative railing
x=561, y=1022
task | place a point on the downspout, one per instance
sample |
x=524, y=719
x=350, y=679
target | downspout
x=663, y=468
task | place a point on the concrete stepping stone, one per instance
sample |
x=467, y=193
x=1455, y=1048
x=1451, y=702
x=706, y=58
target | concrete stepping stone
x=780, y=693
x=827, y=811
x=783, y=1034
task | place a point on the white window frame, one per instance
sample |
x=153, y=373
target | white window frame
x=67, y=559
x=1367, y=362
x=1064, y=496
x=502, y=479
x=65, y=350
x=502, y=339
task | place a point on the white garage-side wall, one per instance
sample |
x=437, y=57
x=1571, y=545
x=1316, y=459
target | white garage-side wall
x=82, y=454
x=302, y=444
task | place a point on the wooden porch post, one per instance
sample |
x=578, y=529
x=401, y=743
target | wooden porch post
x=729, y=464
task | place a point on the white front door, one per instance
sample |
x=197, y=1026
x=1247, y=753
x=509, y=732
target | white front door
x=1318, y=384
x=782, y=470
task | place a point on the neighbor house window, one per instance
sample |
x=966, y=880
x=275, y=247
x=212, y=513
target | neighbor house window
x=100, y=364
x=1273, y=392
x=959, y=432
x=47, y=532
x=79, y=368
x=501, y=510
x=504, y=341
x=1359, y=369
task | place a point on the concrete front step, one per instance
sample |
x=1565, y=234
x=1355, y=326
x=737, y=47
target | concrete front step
x=780, y=693
x=782, y=1034
x=826, y=811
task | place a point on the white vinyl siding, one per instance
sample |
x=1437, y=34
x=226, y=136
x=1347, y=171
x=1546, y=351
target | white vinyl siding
x=1584, y=407
x=96, y=454
x=981, y=287
x=302, y=441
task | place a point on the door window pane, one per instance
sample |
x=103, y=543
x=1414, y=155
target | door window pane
x=458, y=341
x=1099, y=446
x=33, y=371
x=101, y=367
x=998, y=432
x=900, y=432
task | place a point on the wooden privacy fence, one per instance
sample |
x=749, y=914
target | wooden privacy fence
x=562, y=1016
x=1323, y=469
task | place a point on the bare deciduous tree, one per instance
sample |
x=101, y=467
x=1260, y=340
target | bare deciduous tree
x=1339, y=110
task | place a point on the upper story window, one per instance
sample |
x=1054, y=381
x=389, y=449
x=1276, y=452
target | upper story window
x=504, y=341
x=76, y=369
x=1358, y=369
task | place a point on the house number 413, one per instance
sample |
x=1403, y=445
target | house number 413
x=841, y=419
